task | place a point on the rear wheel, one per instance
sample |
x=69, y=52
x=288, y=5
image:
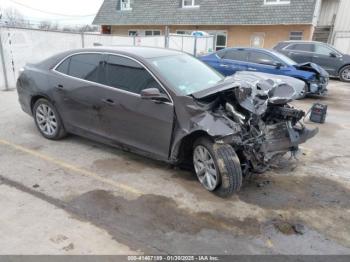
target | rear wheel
x=217, y=167
x=344, y=74
x=48, y=120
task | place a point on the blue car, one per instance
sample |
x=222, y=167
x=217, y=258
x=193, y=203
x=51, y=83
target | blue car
x=230, y=60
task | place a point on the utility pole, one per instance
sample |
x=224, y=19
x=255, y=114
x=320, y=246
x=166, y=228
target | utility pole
x=2, y=58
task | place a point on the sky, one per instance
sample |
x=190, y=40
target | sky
x=61, y=11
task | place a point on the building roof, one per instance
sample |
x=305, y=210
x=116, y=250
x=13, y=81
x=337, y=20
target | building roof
x=210, y=12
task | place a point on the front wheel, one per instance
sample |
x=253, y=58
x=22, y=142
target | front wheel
x=217, y=167
x=344, y=74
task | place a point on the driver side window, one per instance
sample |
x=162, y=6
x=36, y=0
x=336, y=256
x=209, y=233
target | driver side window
x=261, y=58
x=128, y=75
x=323, y=50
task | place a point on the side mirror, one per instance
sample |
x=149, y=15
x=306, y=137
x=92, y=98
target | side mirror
x=333, y=55
x=154, y=94
x=278, y=65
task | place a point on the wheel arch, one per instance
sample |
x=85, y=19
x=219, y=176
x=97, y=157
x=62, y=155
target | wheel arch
x=185, y=145
x=341, y=68
x=35, y=98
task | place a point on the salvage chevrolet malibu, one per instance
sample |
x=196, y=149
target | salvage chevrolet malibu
x=166, y=105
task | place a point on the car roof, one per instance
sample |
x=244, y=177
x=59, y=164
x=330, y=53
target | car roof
x=302, y=41
x=133, y=51
x=251, y=48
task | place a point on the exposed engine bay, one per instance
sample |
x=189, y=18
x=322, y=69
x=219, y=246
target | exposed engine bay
x=267, y=127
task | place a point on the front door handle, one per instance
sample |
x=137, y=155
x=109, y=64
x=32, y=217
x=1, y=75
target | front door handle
x=108, y=101
x=223, y=65
x=251, y=69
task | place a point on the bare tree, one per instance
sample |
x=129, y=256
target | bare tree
x=48, y=25
x=13, y=17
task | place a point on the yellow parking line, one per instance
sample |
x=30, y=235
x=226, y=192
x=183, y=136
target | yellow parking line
x=71, y=167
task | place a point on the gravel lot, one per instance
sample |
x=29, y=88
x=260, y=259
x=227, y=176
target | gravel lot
x=76, y=196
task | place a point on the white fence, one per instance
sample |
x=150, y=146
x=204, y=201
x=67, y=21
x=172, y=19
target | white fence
x=19, y=46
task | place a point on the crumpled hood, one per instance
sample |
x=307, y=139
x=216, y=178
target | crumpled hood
x=252, y=91
x=312, y=67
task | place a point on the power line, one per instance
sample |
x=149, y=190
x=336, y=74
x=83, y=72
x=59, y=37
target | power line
x=48, y=12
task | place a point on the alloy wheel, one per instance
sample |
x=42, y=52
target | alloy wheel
x=46, y=119
x=205, y=168
x=346, y=74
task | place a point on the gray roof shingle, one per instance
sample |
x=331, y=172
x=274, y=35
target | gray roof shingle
x=210, y=12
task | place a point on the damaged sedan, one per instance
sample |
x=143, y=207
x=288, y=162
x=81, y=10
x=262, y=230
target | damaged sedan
x=166, y=105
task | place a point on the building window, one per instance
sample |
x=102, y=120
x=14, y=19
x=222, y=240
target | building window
x=106, y=29
x=189, y=3
x=125, y=5
x=183, y=32
x=152, y=32
x=276, y=2
x=132, y=33
x=138, y=32
x=296, y=36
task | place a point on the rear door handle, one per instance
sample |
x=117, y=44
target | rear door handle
x=108, y=101
x=59, y=87
x=223, y=65
x=251, y=69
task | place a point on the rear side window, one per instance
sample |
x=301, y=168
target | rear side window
x=301, y=47
x=128, y=75
x=64, y=66
x=239, y=55
x=85, y=66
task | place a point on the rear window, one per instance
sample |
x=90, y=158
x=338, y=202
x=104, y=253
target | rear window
x=239, y=55
x=280, y=45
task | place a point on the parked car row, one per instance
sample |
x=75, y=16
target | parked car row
x=311, y=62
x=229, y=61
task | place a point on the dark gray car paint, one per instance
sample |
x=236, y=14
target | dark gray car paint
x=153, y=129
x=332, y=64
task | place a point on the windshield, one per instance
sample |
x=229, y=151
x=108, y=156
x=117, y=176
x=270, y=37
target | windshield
x=285, y=59
x=186, y=73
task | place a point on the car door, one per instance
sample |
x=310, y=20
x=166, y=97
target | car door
x=75, y=83
x=300, y=52
x=262, y=62
x=327, y=58
x=128, y=119
x=233, y=60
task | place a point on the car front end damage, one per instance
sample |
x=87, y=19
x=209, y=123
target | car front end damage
x=264, y=127
x=319, y=81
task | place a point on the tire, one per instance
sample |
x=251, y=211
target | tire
x=344, y=74
x=227, y=166
x=52, y=118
